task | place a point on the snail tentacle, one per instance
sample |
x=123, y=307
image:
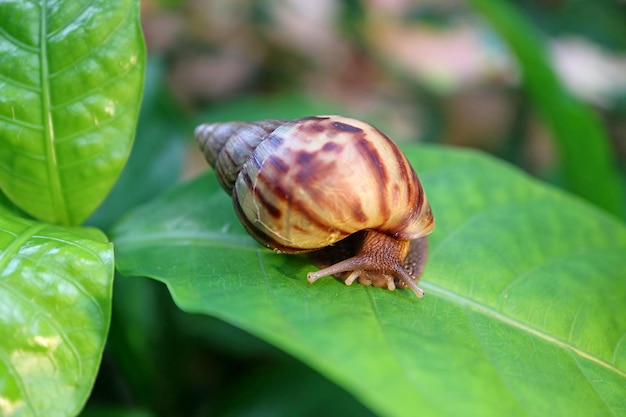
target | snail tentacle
x=379, y=253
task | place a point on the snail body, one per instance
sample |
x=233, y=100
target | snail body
x=330, y=185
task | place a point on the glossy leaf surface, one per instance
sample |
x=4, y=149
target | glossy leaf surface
x=523, y=313
x=55, y=309
x=157, y=158
x=70, y=87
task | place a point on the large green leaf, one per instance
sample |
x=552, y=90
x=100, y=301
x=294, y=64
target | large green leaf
x=55, y=295
x=70, y=87
x=523, y=313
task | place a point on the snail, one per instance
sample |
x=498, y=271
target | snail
x=329, y=185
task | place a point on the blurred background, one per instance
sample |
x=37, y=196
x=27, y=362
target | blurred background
x=422, y=71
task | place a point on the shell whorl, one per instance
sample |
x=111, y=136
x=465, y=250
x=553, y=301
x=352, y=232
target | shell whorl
x=227, y=146
x=304, y=184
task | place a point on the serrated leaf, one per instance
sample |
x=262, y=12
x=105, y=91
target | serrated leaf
x=55, y=309
x=523, y=313
x=70, y=87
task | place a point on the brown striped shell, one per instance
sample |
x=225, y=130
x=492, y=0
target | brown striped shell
x=306, y=184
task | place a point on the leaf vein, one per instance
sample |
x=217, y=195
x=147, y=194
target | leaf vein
x=20, y=175
x=572, y=326
x=582, y=370
x=489, y=357
x=19, y=84
x=70, y=19
x=20, y=382
x=90, y=129
x=93, y=91
x=15, y=41
x=20, y=123
x=82, y=248
x=484, y=309
x=404, y=370
x=20, y=238
x=47, y=317
x=59, y=204
x=617, y=348
x=92, y=51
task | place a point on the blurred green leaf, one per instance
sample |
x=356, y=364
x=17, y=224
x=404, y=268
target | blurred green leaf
x=7, y=207
x=601, y=21
x=70, y=87
x=289, y=389
x=586, y=161
x=523, y=313
x=55, y=308
x=137, y=343
x=114, y=412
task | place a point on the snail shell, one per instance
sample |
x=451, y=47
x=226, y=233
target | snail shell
x=330, y=184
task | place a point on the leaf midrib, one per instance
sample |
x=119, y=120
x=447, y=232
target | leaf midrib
x=9, y=251
x=56, y=195
x=496, y=315
x=149, y=240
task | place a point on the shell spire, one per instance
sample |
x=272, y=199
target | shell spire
x=227, y=146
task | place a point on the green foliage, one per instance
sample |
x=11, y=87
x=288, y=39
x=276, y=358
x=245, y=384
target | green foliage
x=115, y=412
x=71, y=77
x=55, y=308
x=157, y=157
x=601, y=21
x=525, y=284
x=579, y=136
x=518, y=299
x=71, y=87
